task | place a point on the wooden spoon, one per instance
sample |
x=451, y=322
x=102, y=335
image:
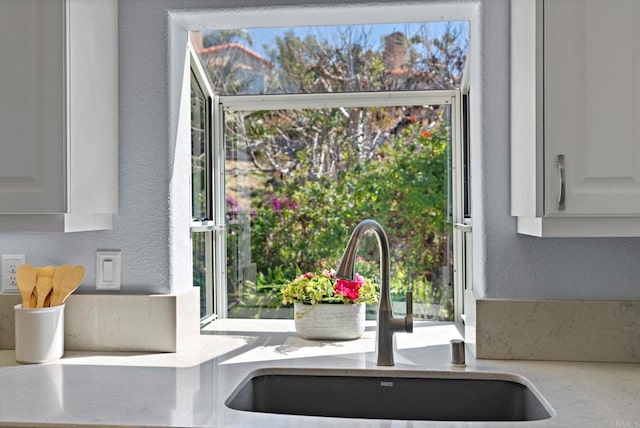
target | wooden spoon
x=47, y=300
x=57, y=282
x=26, y=281
x=44, y=284
x=34, y=295
x=70, y=282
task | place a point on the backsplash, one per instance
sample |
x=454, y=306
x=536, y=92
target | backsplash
x=559, y=330
x=146, y=323
x=556, y=330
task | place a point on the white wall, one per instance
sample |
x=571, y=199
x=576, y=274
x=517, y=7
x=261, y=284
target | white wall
x=154, y=152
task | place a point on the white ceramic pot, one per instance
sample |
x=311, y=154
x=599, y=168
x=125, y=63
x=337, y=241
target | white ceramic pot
x=329, y=321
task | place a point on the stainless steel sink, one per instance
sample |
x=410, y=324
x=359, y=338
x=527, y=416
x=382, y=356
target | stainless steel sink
x=391, y=394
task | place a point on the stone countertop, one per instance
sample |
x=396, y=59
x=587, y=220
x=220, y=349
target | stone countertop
x=188, y=389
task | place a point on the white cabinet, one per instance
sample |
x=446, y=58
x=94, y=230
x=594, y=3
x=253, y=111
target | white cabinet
x=575, y=117
x=58, y=114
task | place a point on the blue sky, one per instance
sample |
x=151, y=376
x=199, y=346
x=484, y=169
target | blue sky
x=262, y=36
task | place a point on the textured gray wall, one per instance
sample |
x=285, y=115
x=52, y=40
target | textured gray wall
x=151, y=228
x=518, y=265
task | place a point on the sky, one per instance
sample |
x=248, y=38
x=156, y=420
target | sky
x=262, y=36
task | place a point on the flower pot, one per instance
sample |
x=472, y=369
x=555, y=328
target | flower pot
x=329, y=321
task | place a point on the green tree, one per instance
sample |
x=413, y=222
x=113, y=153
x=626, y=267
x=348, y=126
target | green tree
x=317, y=172
x=304, y=225
x=314, y=141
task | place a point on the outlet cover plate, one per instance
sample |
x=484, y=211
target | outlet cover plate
x=10, y=264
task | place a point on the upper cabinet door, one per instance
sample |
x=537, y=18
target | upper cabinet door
x=592, y=107
x=32, y=107
x=58, y=115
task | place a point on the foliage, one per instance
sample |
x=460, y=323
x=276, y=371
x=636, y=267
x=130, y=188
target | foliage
x=271, y=276
x=306, y=225
x=348, y=61
x=324, y=287
x=316, y=173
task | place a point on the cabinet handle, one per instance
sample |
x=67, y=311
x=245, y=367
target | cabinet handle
x=560, y=163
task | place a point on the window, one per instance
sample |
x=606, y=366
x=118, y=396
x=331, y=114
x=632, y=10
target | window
x=463, y=236
x=268, y=153
x=201, y=188
x=335, y=59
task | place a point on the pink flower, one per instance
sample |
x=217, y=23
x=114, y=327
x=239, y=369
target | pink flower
x=329, y=273
x=349, y=289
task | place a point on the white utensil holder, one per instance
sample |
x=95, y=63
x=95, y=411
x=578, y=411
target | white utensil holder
x=39, y=334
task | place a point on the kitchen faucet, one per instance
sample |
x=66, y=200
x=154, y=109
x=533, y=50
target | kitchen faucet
x=387, y=324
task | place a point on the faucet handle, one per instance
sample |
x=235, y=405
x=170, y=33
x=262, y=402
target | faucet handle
x=408, y=319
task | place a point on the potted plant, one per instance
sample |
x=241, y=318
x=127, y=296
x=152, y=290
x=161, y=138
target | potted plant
x=326, y=307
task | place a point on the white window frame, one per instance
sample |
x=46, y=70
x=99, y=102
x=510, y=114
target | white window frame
x=207, y=225
x=462, y=223
x=334, y=100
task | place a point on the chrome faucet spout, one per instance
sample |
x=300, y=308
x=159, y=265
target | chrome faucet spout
x=387, y=324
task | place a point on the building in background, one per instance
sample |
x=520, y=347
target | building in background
x=237, y=67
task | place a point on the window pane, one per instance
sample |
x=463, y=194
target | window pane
x=321, y=59
x=198, y=151
x=200, y=269
x=298, y=181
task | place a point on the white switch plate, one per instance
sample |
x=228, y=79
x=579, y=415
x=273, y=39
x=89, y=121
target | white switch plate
x=10, y=264
x=108, y=268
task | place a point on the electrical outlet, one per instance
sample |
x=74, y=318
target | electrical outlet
x=10, y=265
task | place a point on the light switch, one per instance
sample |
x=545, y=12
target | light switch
x=107, y=270
x=108, y=265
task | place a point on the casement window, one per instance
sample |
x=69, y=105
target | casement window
x=256, y=157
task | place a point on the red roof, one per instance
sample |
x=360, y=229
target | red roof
x=231, y=46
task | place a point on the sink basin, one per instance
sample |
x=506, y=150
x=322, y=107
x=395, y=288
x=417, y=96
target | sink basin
x=391, y=394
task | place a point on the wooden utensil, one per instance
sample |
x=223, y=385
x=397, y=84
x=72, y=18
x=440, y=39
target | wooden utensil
x=26, y=281
x=57, y=282
x=70, y=282
x=47, y=300
x=44, y=284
